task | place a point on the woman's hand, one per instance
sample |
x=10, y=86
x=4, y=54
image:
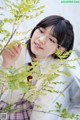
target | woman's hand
x=10, y=55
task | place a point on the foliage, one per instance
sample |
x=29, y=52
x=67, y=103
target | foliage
x=64, y=113
x=19, y=11
x=15, y=78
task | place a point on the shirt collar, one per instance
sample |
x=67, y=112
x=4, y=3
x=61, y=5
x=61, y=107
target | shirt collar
x=29, y=60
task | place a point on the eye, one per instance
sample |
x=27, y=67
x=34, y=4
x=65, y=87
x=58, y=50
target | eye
x=41, y=31
x=51, y=40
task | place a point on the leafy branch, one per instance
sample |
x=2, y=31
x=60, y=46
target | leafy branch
x=19, y=12
x=15, y=79
x=63, y=112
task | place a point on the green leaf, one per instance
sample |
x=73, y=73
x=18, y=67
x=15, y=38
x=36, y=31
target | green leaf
x=38, y=106
x=65, y=72
x=9, y=20
x=57, y=110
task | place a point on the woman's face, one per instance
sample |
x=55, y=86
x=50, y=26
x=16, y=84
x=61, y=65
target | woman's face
x=43, y=44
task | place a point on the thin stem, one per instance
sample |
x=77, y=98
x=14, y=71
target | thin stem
x=8, y=41
x=47, y=112
x=13, y=32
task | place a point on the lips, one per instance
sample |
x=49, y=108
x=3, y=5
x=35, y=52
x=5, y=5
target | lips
x=37, y=45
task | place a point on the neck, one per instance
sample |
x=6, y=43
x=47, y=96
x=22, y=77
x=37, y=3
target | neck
x=38, y=59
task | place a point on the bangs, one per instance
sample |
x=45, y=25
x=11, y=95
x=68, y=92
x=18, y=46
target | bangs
x=60, y=32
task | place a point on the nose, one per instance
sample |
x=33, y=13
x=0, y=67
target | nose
x=42, y=39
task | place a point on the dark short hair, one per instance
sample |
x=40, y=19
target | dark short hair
x=63, y=31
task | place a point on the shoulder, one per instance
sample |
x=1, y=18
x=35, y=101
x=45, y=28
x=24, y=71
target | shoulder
x=51, y=64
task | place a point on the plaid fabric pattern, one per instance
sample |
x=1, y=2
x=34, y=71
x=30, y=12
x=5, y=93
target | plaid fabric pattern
x=22, y=109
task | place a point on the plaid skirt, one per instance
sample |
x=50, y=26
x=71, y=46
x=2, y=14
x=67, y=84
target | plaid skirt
x=22, y=110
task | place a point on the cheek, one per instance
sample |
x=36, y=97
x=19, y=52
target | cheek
x=33, y=39
x=51, y=49
x=35, y=36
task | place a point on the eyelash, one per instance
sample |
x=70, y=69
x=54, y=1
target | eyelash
x=41, y=30
x=52, y=40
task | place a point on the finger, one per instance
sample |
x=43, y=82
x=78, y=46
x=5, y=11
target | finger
x=13, y=51
x=18, y=48
x=12, y=44
x=9, y=52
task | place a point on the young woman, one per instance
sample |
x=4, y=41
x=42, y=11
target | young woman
x=49, y=34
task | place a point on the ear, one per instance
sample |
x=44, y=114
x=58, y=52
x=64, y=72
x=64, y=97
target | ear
x=62, y=49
